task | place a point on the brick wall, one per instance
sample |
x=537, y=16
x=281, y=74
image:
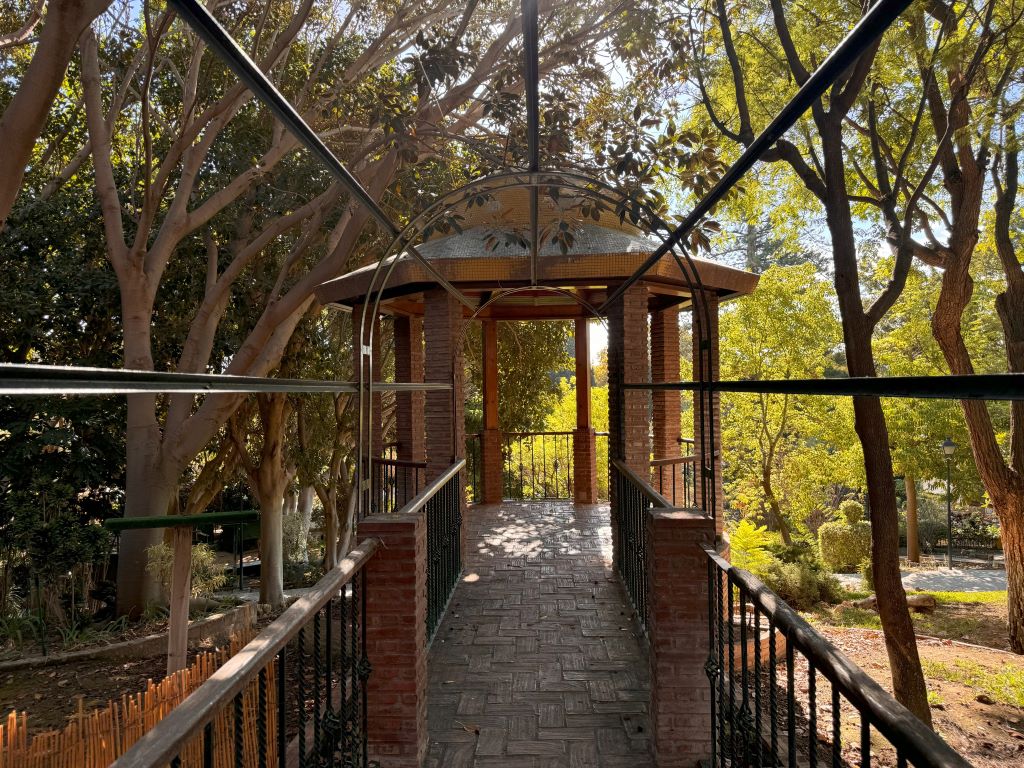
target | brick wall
x=678, y=627
x=665, y=405
x=396, y=638
x=584, y=466
x=492, y=474
x=409, y=405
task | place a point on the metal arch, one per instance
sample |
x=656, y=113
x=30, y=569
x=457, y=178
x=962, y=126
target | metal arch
x=531, y=74
x=578, y=183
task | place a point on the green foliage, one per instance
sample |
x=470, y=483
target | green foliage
x=867, y=574
x=843, y=545
x=207, y=576
x=802, y=584
x=851, y=511
x=1004, y=685
x=562, y=418
x=749, y=546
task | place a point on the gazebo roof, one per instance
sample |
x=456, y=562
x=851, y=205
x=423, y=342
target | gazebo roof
x=490, y=253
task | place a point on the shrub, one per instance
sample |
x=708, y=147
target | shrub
x=801, y=584
x=749, y=545
x=207, y=576
x=844, y=543
x=867, y=575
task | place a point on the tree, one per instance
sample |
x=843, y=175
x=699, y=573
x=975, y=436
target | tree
x=761, y=72
x=784, y=452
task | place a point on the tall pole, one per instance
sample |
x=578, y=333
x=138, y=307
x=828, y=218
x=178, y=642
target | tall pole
x=949, y=517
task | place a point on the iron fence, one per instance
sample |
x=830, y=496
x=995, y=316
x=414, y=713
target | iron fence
x=393, y=482
x=673, y=478
x=441, y=502
x=294, y=696
x=537, y=465
x=632, y=499
x=781, y=694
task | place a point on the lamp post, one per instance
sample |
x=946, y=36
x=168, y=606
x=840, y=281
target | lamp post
x=948, y=447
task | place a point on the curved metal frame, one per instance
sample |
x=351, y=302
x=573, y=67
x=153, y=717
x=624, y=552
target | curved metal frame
x=586, y=187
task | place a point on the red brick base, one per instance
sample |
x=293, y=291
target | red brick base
x=584, y=466
x=396, y=638
x=492, y=474
x=678, y=625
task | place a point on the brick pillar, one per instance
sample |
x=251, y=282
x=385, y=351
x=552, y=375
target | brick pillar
x=665, y=405
x=445, y=421
x=678, y=627
x=628, y=409
x=584, y=443
x=707, y=443
x=409, y=406
x=491, y=463
x=396, y=640
x=358, y=340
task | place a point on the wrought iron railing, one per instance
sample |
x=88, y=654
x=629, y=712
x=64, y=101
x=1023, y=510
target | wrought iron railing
x=393, y=482
x=800, y=714
x=537, y=465
x=632, y=499
x=441, y=502
x=295, y=695
x=673, y=478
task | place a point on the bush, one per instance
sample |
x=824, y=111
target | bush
x=867, y=575
x=801, y=584
x=749, y=545
x=207, y=577
x=844, y=543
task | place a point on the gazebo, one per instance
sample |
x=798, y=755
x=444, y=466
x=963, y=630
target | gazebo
x=585, y=252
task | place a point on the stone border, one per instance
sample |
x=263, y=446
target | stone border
x=219, y=625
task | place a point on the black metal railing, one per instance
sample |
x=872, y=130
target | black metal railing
x=673, y=478
x=537, y=465
x=295, y=695
x=393, y=482
x=632, y=499
x=441, y=502
x=781, y=694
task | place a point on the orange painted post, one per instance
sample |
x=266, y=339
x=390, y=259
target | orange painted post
x=584, y=447
x=491, y=464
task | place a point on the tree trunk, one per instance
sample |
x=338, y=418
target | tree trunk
x=305, y=512
x=1012, y=532
x=913, y=540
x=25, y=115
x=272, y=549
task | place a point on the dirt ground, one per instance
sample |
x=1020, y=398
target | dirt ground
x=977, y=695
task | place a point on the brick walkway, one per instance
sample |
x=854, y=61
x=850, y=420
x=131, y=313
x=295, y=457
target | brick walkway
x=537, y=663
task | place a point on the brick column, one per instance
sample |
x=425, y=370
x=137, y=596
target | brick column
x=628, y=409
x=445, y=421
x=396, y=640
x=665, y=405
x=707, y=447
x=409, y=406
x=678, y=627
x=491, y=463
x=584, y=443
x=358, y=340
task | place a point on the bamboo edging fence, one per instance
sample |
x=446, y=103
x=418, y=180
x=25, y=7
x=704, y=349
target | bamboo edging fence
x=96, y=738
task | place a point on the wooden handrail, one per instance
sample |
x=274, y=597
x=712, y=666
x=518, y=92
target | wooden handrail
x=652, y=495
x=419, y=501
x=186, y=721
x=922, y=746
x=673, y=460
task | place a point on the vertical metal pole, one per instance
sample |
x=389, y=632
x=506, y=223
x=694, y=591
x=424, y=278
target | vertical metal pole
x=949, y=516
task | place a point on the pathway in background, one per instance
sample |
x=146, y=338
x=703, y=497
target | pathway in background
x=943, y=580
x=537, y=663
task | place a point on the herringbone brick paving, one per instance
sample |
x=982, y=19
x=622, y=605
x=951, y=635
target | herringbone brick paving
x=537, y=663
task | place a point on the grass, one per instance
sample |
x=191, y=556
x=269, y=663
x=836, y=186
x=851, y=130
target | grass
x=1005, y=686
x=969, y=598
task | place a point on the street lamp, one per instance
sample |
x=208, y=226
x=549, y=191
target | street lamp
x=948, y=448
